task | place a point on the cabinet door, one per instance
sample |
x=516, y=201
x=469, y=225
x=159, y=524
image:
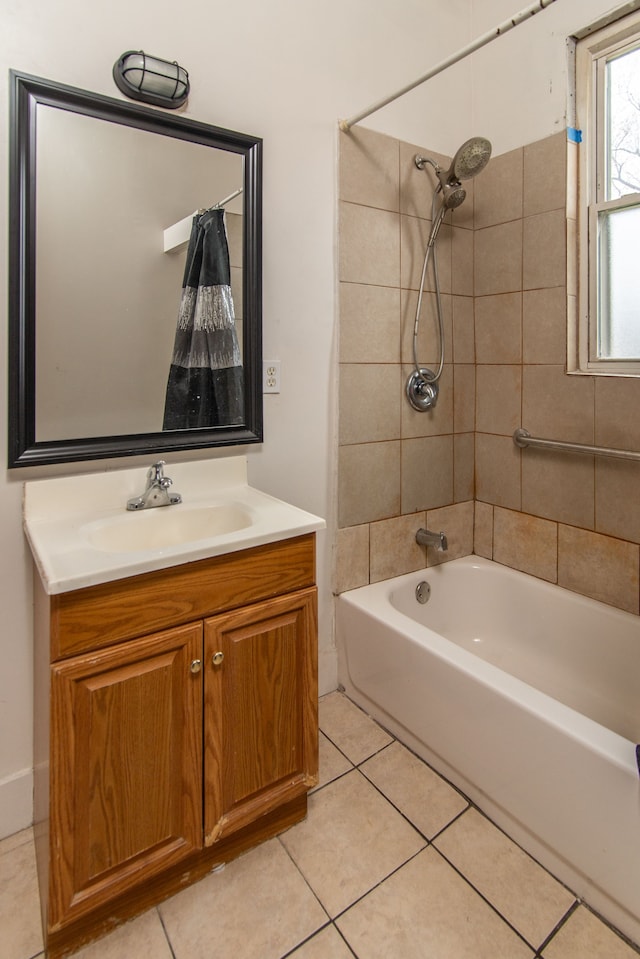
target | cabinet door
x=126, y=772
x=260, y=727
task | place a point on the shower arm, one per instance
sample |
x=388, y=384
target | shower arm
x=514, y=21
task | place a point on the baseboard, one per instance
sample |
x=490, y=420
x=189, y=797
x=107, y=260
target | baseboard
x=16, y=802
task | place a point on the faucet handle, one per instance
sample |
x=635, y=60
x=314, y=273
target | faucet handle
x=155, y=473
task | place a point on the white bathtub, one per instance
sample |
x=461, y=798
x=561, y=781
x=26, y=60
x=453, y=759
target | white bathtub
x=527, y=697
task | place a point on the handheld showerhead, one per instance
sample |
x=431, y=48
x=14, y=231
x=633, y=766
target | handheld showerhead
x=453, y=195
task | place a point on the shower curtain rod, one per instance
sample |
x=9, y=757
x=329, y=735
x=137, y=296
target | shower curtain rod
x=178, y=234
x=514, y=21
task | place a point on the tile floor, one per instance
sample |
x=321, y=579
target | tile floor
x=391, y=863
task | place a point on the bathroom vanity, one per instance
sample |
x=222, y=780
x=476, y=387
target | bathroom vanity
x=176, y=688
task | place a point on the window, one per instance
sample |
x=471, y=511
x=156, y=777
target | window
x=608, y=112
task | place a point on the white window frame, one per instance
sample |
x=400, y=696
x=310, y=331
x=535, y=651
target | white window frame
x=591, y=53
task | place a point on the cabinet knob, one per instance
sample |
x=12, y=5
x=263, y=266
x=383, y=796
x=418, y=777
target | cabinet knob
x=217, y=659
x=196, y=666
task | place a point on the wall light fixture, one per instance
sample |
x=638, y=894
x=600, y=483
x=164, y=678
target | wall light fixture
x=151, y=79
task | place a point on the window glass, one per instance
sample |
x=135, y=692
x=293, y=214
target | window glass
x=619, y=326
x=623, y=124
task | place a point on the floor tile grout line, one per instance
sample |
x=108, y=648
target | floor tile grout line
x=306, y=881
x=303, y=942
x=366, y=758
x=470, y=805
x=377, y=885
x=347, y=944
x=406, y=818
x=487, y=901
x=166, y=932
x=327, y=925
x=558, y=926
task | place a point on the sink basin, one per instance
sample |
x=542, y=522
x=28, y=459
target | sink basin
x=166, y=526
x=81, y=535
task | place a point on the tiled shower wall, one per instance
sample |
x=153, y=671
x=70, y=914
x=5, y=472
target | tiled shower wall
x=574, y=520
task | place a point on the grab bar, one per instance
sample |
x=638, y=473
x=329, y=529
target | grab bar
x=523, y=438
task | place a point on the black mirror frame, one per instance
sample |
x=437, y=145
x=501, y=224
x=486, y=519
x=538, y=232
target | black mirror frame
x=26, y=92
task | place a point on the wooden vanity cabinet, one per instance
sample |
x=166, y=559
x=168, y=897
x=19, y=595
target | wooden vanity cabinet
x=183, y=729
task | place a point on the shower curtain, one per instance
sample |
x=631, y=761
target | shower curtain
x=205, y=385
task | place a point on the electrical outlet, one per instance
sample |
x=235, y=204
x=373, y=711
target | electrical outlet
x=271, y=376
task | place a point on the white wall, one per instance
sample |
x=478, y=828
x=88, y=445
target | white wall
x=285, y=70
x=520, y=81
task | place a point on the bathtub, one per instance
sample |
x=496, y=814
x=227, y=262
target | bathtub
x=527, y=698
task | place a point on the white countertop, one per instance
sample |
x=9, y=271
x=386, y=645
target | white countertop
x=64, y=517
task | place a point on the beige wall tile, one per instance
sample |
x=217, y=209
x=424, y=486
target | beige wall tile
x=483, y=530
x=498, y=259
x=604, y=568
x=498, y=398
x=456, y=522
x=617, y=500
x=545, y=176
x=427, y=473
x=498, y=326
x=394, y=550
x=544, y=251
x=464, y=407
x=436, y=421
x=498, y=190
x=369, y=324
x=352, y=558
x=559, y=487
x=556, y=406
x=497, y=470
x=414, y=234
x=617, y=407
x=544, y=326
x=461, y=261
x=369, y=169
x=369, y=245
x=463, y=467
x=368, y=482
x=369, y=405
x=526, y=543
x=428, y=347
x=464, y=345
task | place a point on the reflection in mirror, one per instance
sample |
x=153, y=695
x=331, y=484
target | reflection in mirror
x=96, y=303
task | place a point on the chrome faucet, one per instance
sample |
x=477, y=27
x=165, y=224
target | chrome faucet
x=424, y=537
x=157, y=491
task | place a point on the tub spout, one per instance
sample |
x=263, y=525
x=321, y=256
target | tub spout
x=424, y=537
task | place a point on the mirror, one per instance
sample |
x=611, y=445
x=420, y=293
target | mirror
x=102, y=199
